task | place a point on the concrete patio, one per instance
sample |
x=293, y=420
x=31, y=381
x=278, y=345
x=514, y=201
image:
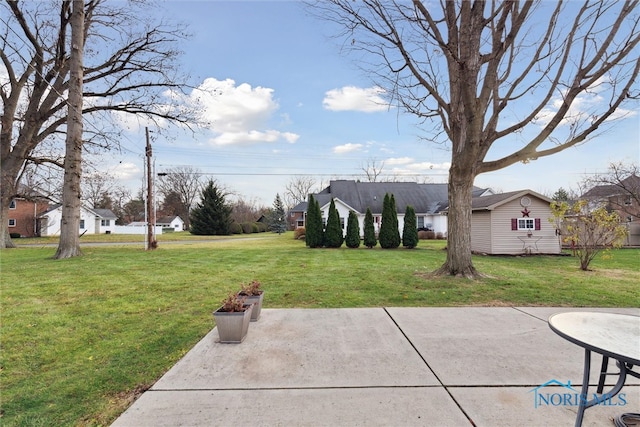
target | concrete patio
x=482, y=366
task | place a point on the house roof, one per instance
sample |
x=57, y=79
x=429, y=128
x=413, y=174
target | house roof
x=629, y=184
x=493, y=201
x=167, y=219
x=105, y=213
x=300, y=207
x=101, y=213
x=425, y=198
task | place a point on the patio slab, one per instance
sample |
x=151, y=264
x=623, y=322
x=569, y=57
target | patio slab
x=307, y=348
x=475, y=366
x=494, y=346
x=296, y=407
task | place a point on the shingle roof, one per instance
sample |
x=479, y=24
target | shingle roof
x=631, y=183
x=425, y=198
x=105, y=213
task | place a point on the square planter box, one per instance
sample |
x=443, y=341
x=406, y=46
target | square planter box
x=233, y=326
x=256, y=300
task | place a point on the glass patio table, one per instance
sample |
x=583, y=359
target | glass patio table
x=615, y=336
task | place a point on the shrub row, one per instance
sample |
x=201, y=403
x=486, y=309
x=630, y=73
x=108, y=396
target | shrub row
x=248, y=227
x=430, y=235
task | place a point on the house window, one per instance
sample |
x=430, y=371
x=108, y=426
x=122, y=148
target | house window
x=105, y=222
x=300, y=223
x=12, y=222
x=12, y=205
x=342, y=222
x=420, y=222
x=82, y=224
x=627, y=201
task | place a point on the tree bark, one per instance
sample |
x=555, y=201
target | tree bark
x=69, y=245
x=459, y=262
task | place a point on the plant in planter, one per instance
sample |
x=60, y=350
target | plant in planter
x=253, y=294
x=232, y=319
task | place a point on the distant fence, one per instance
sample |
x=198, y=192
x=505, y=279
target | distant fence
x=129, y=229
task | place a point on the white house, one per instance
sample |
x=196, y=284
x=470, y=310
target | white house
x=92, y=221
x=174, y=222
x=428, y=201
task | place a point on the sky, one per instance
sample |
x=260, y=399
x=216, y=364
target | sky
x=291, y=103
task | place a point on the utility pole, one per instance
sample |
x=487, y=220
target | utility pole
x=151, y=217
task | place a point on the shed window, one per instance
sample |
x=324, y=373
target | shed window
x=525, y=224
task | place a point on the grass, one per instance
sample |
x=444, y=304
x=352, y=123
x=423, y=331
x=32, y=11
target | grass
x=81, y=337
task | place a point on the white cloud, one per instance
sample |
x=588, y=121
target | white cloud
x=126, y=171
x=398, y=161
x=585, y=108
x=410, y=168
x=239, y=114
x=350, y=98
x=424, y=166
x=347, y=148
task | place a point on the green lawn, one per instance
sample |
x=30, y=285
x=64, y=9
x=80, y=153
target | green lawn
x=81, y=337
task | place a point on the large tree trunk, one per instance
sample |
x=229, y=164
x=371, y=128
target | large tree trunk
x=459, y=261
x=69, y=245
x=5, y=237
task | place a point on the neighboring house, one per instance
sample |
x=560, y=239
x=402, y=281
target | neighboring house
x=296, y=216
x=24, y=211
x=92, y=221
x=513, y=223
x=622, y=198
x=428, y=201
x=173, y=222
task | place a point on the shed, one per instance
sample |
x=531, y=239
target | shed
x=513, y=223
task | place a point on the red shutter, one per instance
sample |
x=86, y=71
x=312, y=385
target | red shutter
x=537, y=222
x=514, y=223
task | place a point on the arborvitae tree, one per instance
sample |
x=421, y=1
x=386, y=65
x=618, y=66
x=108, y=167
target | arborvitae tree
x=212, y=216
x=352, y=240
x=313, y=230
x=369, y=230
x=394, y=217
x=333, y=236
x=410, y=229
x=389, y=234
x=385, y=226
x=277, y=217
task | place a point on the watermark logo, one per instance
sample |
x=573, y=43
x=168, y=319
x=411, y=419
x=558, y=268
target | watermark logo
x=548, y=394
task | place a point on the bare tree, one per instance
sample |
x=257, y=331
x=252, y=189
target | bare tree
x=468, y=65
x=186, y=182
x=244, y=210
x=129, y=66
x=96, y=186
x=297, y=190
x=69, y=245
x=620, y=187
x=372, y=170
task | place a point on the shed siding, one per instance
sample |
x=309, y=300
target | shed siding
x=481, y=232
x=507, y=241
